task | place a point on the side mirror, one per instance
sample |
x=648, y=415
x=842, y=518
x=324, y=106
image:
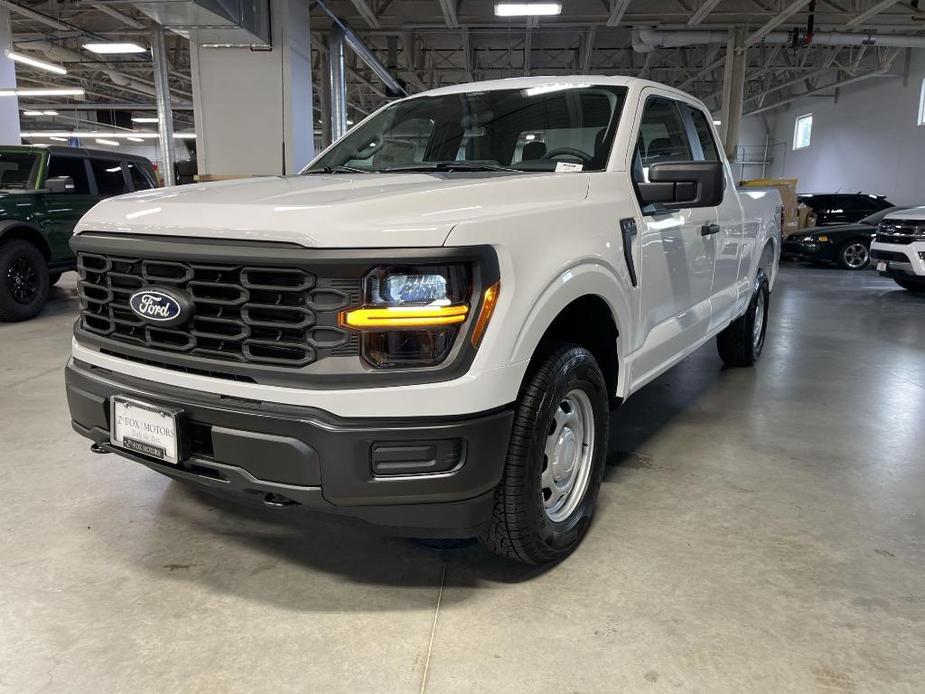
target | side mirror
x=680, y=184
x=59, y=184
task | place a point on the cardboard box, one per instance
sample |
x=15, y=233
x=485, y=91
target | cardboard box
x=788, y=194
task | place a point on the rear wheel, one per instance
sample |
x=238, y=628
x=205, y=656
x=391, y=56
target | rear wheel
x=742, y=342
x=23, y=281
x=854, y=255
x=555, y=461
x=914, y=286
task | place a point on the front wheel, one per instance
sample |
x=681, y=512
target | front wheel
x=555, y=461
x=23, y=281
x=742, y=342
x=854, y=255
x=914, y=286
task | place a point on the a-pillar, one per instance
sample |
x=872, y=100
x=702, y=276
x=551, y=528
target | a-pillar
x=9, y=105
x=253, y=108
x=733, y=90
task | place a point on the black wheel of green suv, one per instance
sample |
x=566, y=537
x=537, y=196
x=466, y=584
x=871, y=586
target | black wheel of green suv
x=555, y=460
x=23, y=281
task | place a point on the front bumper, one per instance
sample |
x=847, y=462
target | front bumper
x=902, y=260
x=369, y=469
x=808, y=251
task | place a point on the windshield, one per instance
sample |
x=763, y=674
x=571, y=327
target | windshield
x=18, y=169
x=533, y=129
x=877, y=217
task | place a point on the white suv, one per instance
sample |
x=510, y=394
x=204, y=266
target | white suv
x=899, y=248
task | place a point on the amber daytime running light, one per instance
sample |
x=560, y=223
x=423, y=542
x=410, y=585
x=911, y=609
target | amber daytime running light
x=405, y=316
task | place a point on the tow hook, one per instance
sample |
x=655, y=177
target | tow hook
x=278, y=501
x=98, y=449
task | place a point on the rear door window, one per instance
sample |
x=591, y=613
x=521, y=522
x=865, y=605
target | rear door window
x=110, y=180
x=75, y=167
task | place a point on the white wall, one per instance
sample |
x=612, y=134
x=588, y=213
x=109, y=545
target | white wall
x=9, y=105
x=866, y=141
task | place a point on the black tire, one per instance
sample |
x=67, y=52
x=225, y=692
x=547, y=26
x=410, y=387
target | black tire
x=854, y=255
x=54, y=278
x=914, y=286
x=521, y=527
x=23, y=281
x=738, y=344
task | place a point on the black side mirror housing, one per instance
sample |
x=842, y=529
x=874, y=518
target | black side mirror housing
x=59, y=184
x=681, y=184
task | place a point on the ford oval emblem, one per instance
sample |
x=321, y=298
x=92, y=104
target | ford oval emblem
x=161, y=306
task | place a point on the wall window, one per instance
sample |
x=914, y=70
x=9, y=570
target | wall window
x=802, y=131
x=921, y=119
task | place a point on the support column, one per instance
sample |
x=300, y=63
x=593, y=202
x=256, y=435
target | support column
x=164, y=111
x=733, y=90
x=9, y=105
x=253, y=108
x=338, y=83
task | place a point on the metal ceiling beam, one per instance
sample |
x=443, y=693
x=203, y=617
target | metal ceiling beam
x=706, y=7
x=879, y=72
x=366, y=13
x=781, y=17
x=37, y=16
x=588, y=50
x=449, y=13
x=617, y=10
x=116, y=14
x=876, y=9
x=467, y=53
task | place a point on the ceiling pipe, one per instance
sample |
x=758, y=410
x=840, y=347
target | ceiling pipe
x=364, y=53
x=645, y=40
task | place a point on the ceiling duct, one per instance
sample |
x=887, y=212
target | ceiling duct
x=213, y=22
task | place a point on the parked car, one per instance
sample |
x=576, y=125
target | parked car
x=43, y=192
x=842, y=208
x=899, y=249
x=845, y=244
x=425, y=330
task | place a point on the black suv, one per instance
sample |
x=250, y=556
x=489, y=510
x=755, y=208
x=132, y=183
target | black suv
x=842, y=208
x=44, y=191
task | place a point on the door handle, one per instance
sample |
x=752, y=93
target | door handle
x=709, y=229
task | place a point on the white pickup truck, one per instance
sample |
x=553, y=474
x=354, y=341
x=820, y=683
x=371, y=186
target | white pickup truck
x=899, y=248
x=427, y=327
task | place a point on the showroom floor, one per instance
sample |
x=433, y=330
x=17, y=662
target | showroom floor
x=758, y=531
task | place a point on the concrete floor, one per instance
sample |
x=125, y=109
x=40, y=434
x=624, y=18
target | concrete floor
x=758, y=531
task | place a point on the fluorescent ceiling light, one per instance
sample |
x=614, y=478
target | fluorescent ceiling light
x=717, y=122
x=145, y=119
x=68, y=91
x=50, y=113
x=35, y=62
x=110, y=48
x=32, y=113
x=349, y=122
x=117, y=135
x=58, y=139
x=527, y=9
x=104, y=141
x=135, y=139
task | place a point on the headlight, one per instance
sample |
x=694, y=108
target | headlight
x=413, y=314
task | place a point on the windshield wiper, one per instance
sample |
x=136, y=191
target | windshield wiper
x=338, y=168
x=452, y=166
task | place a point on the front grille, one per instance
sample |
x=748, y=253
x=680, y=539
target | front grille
x=280, y=316
x=888, y=255
x=900, y=231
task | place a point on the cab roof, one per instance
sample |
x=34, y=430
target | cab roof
x=81, y=151
x=564, y=80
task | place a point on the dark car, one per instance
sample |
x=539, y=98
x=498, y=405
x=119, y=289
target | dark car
x=44, y=191
x=842, y=208
x=845, y=244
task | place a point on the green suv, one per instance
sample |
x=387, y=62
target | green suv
x=44, y=191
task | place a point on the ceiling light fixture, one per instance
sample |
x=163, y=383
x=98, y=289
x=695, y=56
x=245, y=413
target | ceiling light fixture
x=58, y=139
x=50, y=113
x=68, y=91
x=135, y=139
x=145, y=119
x=104, y=141
x=717, y=122
x=35, y=62
x=113, y=48
x=527, y=9
x=104, y=133
x=32, y=113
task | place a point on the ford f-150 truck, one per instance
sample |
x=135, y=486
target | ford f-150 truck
x=899, y=248
x=425, y=329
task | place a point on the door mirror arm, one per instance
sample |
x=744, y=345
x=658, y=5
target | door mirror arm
x=59, y=184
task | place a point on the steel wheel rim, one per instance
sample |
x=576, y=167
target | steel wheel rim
x=568, y=456
x=23, y=280
x=856, y=255
x=758, y=327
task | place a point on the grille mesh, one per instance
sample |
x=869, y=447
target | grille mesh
x=259, y=315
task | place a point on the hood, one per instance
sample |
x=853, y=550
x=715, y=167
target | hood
x=336, y=210
x=838, y=228
x=916, y=213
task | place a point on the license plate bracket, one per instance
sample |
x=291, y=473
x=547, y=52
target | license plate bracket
x=145, y=428
x=881, y=266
